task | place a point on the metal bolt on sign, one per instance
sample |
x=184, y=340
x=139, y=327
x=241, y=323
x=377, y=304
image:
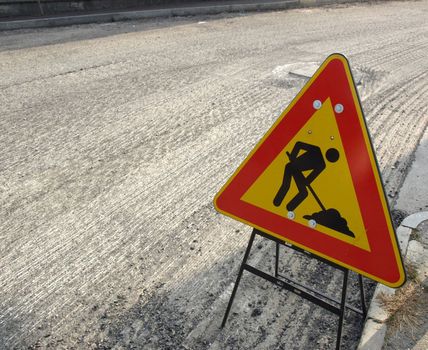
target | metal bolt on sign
x=338, y=108
x=317, y=104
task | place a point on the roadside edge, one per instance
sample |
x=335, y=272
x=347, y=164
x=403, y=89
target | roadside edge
x=375, y=327
x=56, y=21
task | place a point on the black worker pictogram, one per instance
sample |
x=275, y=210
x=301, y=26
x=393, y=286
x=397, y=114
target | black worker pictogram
x=306, y=157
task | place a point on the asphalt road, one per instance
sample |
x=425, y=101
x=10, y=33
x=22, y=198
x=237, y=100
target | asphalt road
x=114, y=140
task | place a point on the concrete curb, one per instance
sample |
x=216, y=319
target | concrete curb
x=167, y=12
x=374, y=331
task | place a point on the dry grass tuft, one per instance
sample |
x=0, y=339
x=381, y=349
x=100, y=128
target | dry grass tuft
x=403, y=306
x=411, y=271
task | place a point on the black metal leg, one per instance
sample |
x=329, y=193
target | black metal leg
x=342, y=309
x=363, y=298
x=298, y=288
x=276, y=259
x=238, y=279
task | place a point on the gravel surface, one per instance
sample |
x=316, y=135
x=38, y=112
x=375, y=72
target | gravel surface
x=115, y=139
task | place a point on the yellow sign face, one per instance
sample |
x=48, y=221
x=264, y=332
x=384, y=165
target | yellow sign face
x=333, y=185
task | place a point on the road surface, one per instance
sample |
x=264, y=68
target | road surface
x=115, y=138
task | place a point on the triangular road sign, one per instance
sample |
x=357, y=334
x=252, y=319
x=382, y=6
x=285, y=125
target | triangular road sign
x=313, y=180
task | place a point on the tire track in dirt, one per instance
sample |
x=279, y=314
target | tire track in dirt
x=400, y=114
x=59, y=252
x=155, y=147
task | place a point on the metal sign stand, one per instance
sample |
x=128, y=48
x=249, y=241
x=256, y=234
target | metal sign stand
x=306, y=292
